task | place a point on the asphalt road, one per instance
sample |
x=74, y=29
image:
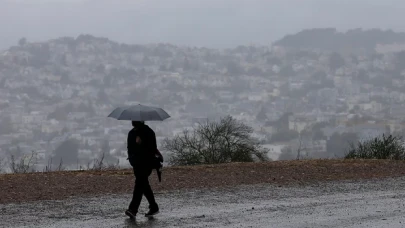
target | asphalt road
x=338, y=204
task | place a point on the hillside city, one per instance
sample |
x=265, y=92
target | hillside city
x=302, y=101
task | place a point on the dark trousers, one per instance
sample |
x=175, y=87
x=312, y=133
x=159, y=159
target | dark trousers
x=142, y=187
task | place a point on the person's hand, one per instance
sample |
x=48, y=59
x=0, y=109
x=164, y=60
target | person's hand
x=138, y=140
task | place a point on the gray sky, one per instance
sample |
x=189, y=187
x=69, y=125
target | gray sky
x=210, y=23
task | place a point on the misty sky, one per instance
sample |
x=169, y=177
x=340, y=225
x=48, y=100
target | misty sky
x=210, y=23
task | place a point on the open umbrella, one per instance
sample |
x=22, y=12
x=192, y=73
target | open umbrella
x=139, y=113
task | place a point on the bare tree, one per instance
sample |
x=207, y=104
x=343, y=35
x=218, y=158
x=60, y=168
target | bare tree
x=299, y=147
x=303, y=143
x=25, y=164
x=2, y=164
x=302, y=147
x=226, y=140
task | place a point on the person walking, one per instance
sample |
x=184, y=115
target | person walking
x=142, y=147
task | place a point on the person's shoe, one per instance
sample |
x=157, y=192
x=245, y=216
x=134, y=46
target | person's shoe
x=152, y=212
x=131, y=214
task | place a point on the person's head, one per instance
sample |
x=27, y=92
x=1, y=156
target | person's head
x=137, y=123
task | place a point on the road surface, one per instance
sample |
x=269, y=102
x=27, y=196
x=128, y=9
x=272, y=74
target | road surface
x=337, y=204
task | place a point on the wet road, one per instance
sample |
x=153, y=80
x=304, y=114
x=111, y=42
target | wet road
x=338, y=204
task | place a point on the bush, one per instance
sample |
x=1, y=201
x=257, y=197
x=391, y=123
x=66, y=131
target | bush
x=385, y=147
x=226, y=140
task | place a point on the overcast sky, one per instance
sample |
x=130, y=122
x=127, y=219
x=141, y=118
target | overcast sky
x=210, y=23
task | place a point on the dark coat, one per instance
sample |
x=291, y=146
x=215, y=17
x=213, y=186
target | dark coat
x=142, y=156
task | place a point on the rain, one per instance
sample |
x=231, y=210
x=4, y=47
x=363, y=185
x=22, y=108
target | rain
x=236, y=113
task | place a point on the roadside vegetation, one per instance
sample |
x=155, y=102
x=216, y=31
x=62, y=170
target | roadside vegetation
x=226, y=140
x=382, y=147
x=28, y=163
x=214, y=142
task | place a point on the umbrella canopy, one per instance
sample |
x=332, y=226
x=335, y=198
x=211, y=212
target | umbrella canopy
x=139, y=113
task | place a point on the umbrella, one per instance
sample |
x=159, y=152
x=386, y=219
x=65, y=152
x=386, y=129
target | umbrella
x=139, y=113
x=143, y=113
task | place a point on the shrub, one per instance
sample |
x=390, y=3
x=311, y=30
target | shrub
x=226, y=140
x=384, y=147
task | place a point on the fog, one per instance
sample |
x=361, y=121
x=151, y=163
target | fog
x=306, y=76
x=209, y=23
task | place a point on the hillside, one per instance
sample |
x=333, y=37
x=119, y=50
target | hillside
x=330, y=39
x=55, y=96
x=62, y=185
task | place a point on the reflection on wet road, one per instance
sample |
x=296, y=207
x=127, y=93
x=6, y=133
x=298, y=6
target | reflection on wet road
x=338, y=204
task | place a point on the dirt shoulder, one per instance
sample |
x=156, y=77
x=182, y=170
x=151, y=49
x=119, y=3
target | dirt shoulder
x=15, y=188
